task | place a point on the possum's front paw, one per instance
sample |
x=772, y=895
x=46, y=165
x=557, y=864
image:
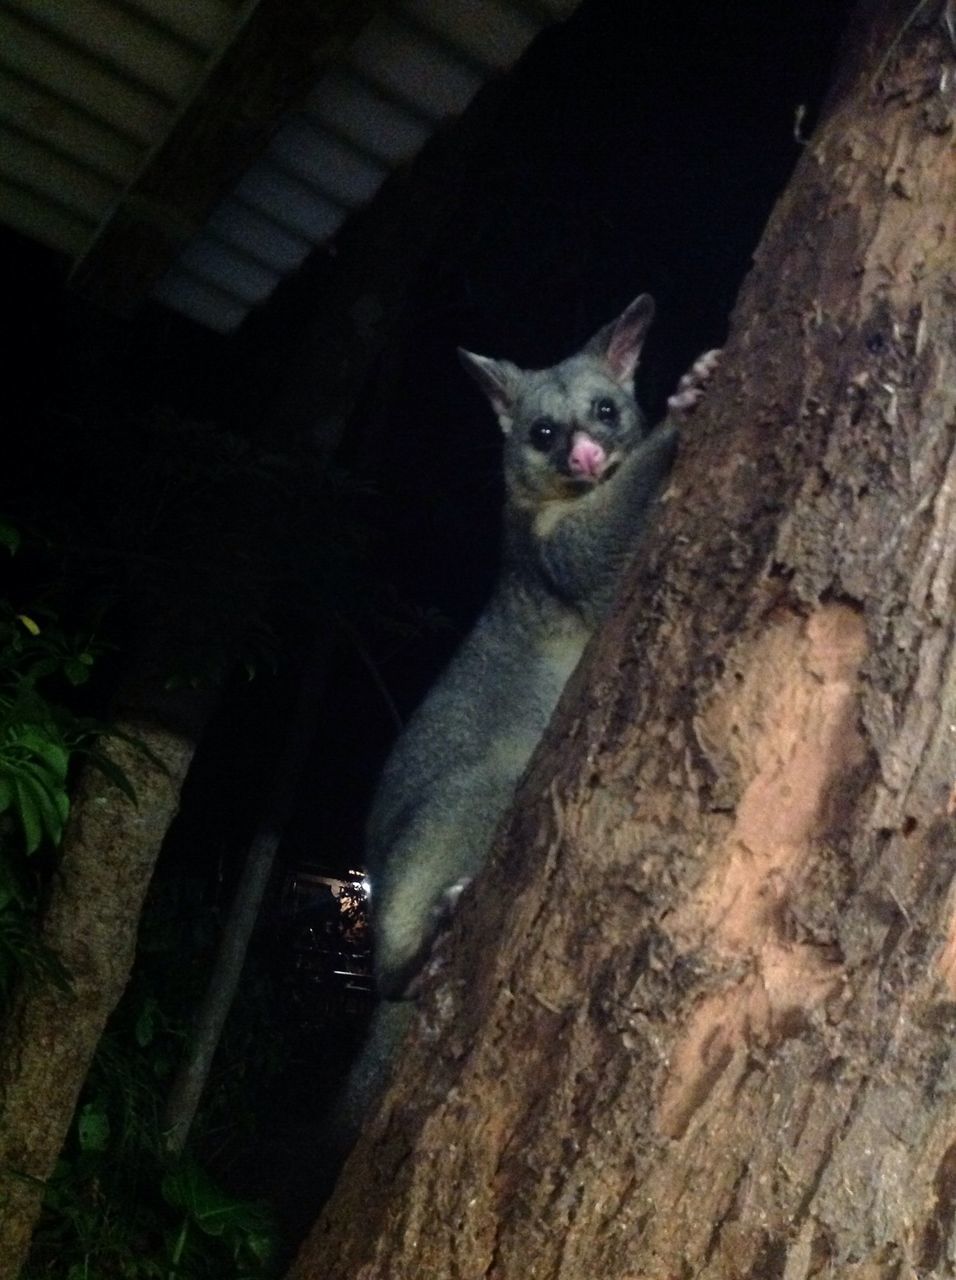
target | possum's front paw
x=444, y=908
x=693, y=385
x=436, y=952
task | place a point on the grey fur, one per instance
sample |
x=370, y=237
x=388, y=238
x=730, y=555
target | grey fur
x=453, y=771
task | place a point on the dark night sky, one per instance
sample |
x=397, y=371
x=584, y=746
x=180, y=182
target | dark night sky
x=638, y=147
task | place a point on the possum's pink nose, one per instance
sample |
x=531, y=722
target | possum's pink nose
x=587, y=458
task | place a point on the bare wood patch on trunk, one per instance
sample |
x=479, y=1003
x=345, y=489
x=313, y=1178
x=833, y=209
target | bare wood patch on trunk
x=787, y=716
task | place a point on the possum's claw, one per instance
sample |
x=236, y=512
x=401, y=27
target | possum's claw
x=693, y=385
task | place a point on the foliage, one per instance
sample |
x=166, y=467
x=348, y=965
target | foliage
x=116, y=1207
x=38, y=736
x=38, y=739
x=244, y=1228
x=137, y=1220
x=178, y=937
x=172, y=539
x=160, y=533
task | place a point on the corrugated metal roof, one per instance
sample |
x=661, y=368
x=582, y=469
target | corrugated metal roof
x=410, y=68
x=87, y=90
x=90, y=90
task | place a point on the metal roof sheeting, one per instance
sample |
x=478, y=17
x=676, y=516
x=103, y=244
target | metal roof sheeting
x=410, y=68
x=356, y=113
x=90, y=91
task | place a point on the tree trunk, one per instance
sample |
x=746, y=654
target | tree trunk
x=90, y=924
x=698, y=1017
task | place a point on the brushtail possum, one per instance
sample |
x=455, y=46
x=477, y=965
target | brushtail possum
x=580, y=473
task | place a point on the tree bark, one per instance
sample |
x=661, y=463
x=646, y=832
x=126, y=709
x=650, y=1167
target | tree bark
x=90, y=924
x=697, y=1019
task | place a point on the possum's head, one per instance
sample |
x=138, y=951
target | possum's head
x=569, y=427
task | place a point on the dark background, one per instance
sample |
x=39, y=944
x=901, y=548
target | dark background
x=640, y=146
x=636, y=147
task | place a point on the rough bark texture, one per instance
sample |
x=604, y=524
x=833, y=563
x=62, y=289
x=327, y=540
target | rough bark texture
x=713, y=1033
x=91, y=923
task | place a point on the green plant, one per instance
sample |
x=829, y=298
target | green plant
x=38, y=736
x=22, y=954
x=41, y=662
x=38, y=739
x=115, y=1208
x=197, y=553
x=177, y=1224
x=243, y=1228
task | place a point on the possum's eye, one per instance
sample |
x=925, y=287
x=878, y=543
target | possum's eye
x=605, y=410
x=541, y=434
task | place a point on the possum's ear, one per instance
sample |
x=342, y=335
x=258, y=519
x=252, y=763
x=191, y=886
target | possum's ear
x=619, y=343
x=499, y=381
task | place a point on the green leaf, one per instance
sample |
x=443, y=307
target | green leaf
x=49, y=799
x=114, y=773
x=93, y=1127
x=44, y=667
x=145, y=1026
x=12, y=887
x=76, y=671
x=139, y=745
x=9, y=537
x=190, y=1189
x=262, y=1245
x=53, y=754
x=61, y=802
x=26, y=810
